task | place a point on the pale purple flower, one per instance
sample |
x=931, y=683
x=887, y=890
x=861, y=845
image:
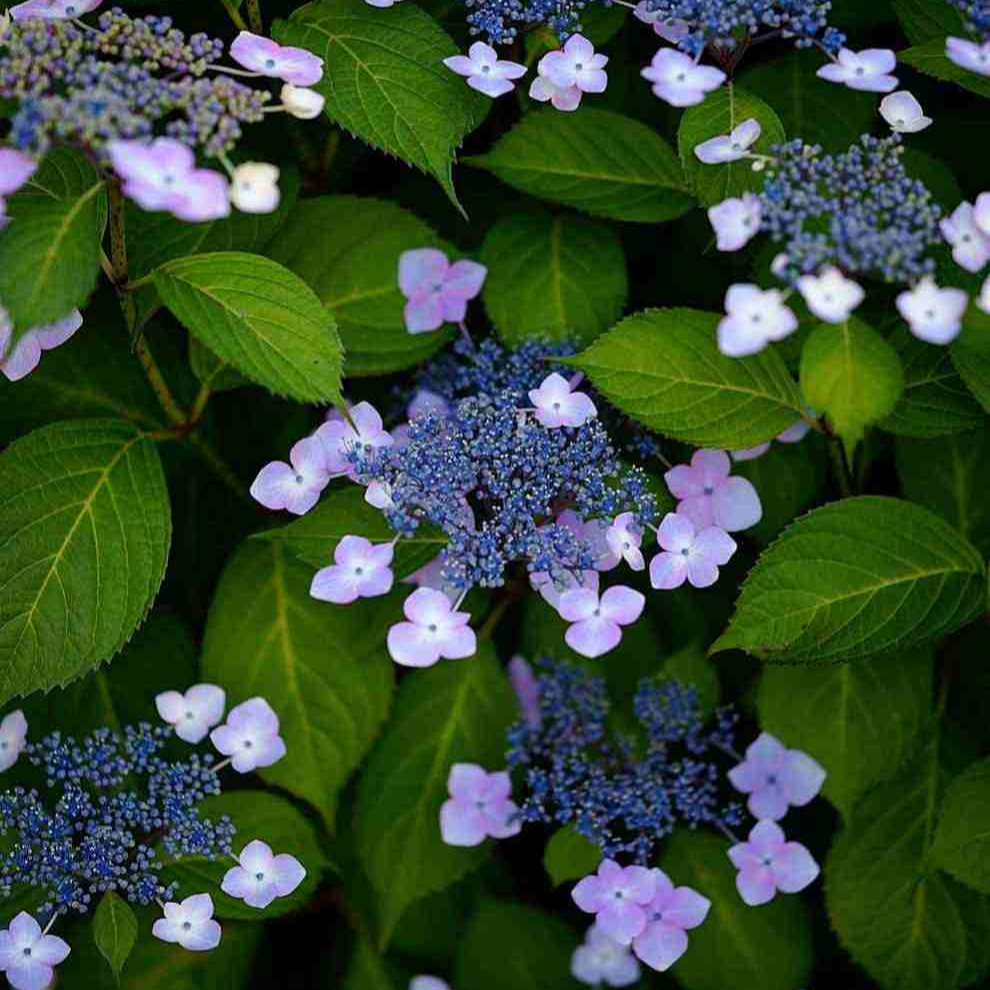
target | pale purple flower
x=577, y=64
x=867, y=70
x=551, y=590
x=556, y=405
x=20, y=360
x=361, y=570
x=984, y=298
x=767, y=862
x=689, y=554
x=624, y=538
x=53, y=9
x=15, y=169
x=365, y=431
x=670, y=915
x=419, y=982
x=295, y=486
x=379, y=494
x=194, y=713
x=250, y=736
x=436, y=291
x=969, y=55
x=302, y=103
x=775, y=778
x=793, y=434
x=981, y=213
x=602, y=960
x=736, y=221
x=485, y=71
x=527, y=688
x=678, y=80
x=543, y=89
x=673, y=30
x=970, y=245
x=262, y=876
x=730, y=147
x=904, y=113
x=254, y=187
x=13, y=732
x=28, y=956
x=425, y=401
x=596, y=623
x=754, y=317
x=267, y=58
x=830, y=295
x=434, y=630
x=594, y=533
x=480, y=805
x=617, y=896
x=708, y=496
x=933, y=314
x=189, y=923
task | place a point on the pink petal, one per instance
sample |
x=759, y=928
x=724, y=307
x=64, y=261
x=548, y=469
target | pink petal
x=490, y=85
x=766, y=838
x=622, y=605
x=593, y=637
x=271, y=486
x=756, y=886
x=502, y=821
x=702, y=573
x=460, y=64
x=171, y=706
x=426, y=606
x=668, y=571
x=423, y=315
x=676, y=532
x=715, y=545
x=593, y=81
x=411, y=646
x=23, y=359
x=660, y=945
x=335, y=584
x=288, y=873
x=55, y=334
x=467, y=781
x=589, y=894
x=766, y=753
x=801, y=777
x=510, y=70
x=453, y=308
x=686, y=908
x=623, y=921
x=423, y=265
x=578, y=604
x=456, y=644
x=641, y=883
x=711, y=467
x=767, y=802
x=577, y=45
x=464, y=279
x=794, y=868
x=683, y=481
x=736, y=505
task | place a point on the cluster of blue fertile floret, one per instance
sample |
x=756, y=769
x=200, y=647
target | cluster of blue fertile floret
x=499, y=20
x=112, y=808
x=129, y=78
x=622, y=793
x=976, y=13
x=858, y=210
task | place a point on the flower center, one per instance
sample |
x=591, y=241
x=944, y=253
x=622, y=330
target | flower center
x=359, y=571
x=686, y=552
x=767, y=860
x=556, y=405
x=860, y=72
x=658, y=915
x=680, y=77
x=190, y=715
x=186, y=926
x=269, y=63
x=930, y=313
x=486, y=69
x=259, y=877
x=578, y=67
x=248, y=744
x=772, y=779
x=709, y=490
x=432, y=627
x=27, y=951
x=299, y=479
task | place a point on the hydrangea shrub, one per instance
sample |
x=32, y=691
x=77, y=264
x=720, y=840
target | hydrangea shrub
x=493, y=494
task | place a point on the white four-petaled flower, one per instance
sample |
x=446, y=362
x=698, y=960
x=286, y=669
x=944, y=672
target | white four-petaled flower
x=736, y=221
x=830, y=295
x=576, y=64
x=754, y=317
x=969, y=55
x=485, y=71
x=261, y=876
x=729, y=147
x=194, y=713
x=13, y=732
x=868, y=70
x=250, y=736
x=903, y=112
x=28, y=956
x=970, y=245
x=189, y=923
x=360, y=570
x=678, y=80
x=933, y=314
x=557, y=405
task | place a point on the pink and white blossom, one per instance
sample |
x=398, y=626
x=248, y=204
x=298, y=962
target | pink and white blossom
x=689, y=554
x=596, y=622
x=904, y=113
x=260, y=876
x=601, y=960
x=360, y=570
x=437, y=291
x=869, y=70
x=544, y=90
x=830, y=295
x=22, y=358
x=301, y=102
x=970, y=244
x=189, y=923
x=434, y=630
x=419, y=982
x=268, y=58
x=480, y=806
x=678, y=80
x=708, y=496
x=576, y=64
x=624, y=538
x=254, y=187
x=53, y=9
x=618, y=897
x=551, y=590
x=933, y=314
x=558, y=405
x=15, y=169
x=194, y=713
x=969, y=54
x=793, y=434
x=767, y=862
x=28, y=956
x=485, y=71
x=670, y=915
x=13, y=735
x=295, y=486
x=736, y=221
x=729, y=147
x=754, y=317
x=776, y=778
x=250, y=736
x=365, y=431
x=673, y=29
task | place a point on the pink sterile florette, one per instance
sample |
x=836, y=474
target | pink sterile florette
x=678, y=80
x=13, y=733
x=485, y=71
x=793, y=434
x=295, y=486
x=577, y=64
x=669, y=916
x=754, y=317
x=617, y=896
x=15, y=169
x=776, y=777
x=933, y=314
x=672, y=30
x=602, y=960
x=736, y=221
x=262, y=876
x=830, y=295
x=556, y=405
x=597, y=622
x=970, y=245
x=427, y=982
x=379, y=494
x=189, y=923
x=434, y=630
x=544, y=89
x=436, y=291
x=527, y=689
x=194, y=713
x=624, y=538
x=767, y=862
x=479, y=806
x=361, y=570
x=551, y=590
x=365, y=430
x=20, y=360
x=268, y=58
x=969, y=55
x=250, y=736
x=53, y=9
x=28, y=956
x=594, y=533
x=708, y=496
x=689, y=554
x=729, y=147
x=425, y=401
x=867, y=70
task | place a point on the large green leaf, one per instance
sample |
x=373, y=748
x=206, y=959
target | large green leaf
x=258, y=317
x=861, y=721
x=962, y=839
x=347, y=250
x=384, y=80
x=570, y=856
x=553, y=277
x=115, y=930
x=923, y=20
x=719, y=113
x=322, y=667
x=931, y=59
x=367, y=969
x=854, y=578
x=65, y=173
x=84, y=536
x=737, y=946
x=456, y=712
x=663, y=368
x=971, y=354
x=596, y=160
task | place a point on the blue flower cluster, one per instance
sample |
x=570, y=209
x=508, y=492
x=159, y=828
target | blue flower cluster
x=623, y=793
x=728, y=21
x=858, y=210
x=113, y=798
x=977, y=16
x=129, y=78
x=499, y=20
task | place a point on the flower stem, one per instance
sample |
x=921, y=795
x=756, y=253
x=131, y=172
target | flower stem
x=234, y=14
x=840, y=467
x=254, y=16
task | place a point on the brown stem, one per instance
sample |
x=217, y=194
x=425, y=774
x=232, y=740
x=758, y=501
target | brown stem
x=254, y=16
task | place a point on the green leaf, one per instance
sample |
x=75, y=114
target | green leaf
x=258, y=317
x=935, y=401
x=957, y=490
x=930, y=58
x=322, y=667
x=663, y=368
x=85, y=529
x=855, y=578
x=553, y=277
x=256, y=815
x=691, y=665
x=212, y=370
x=314, y=536
x=720, y=113
x=453, y=713
x=115, y=929
x=596, y=160
x=850, y=373
x=542, y=946
x=737, y=946
x=50, y=256
x=923, y=20
x=971, y=355
x=65, y=173
x=570, y=856
x=366, y=969
x=347, y=250
x=384, y=80
x=860, y=721
x=962, y=838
